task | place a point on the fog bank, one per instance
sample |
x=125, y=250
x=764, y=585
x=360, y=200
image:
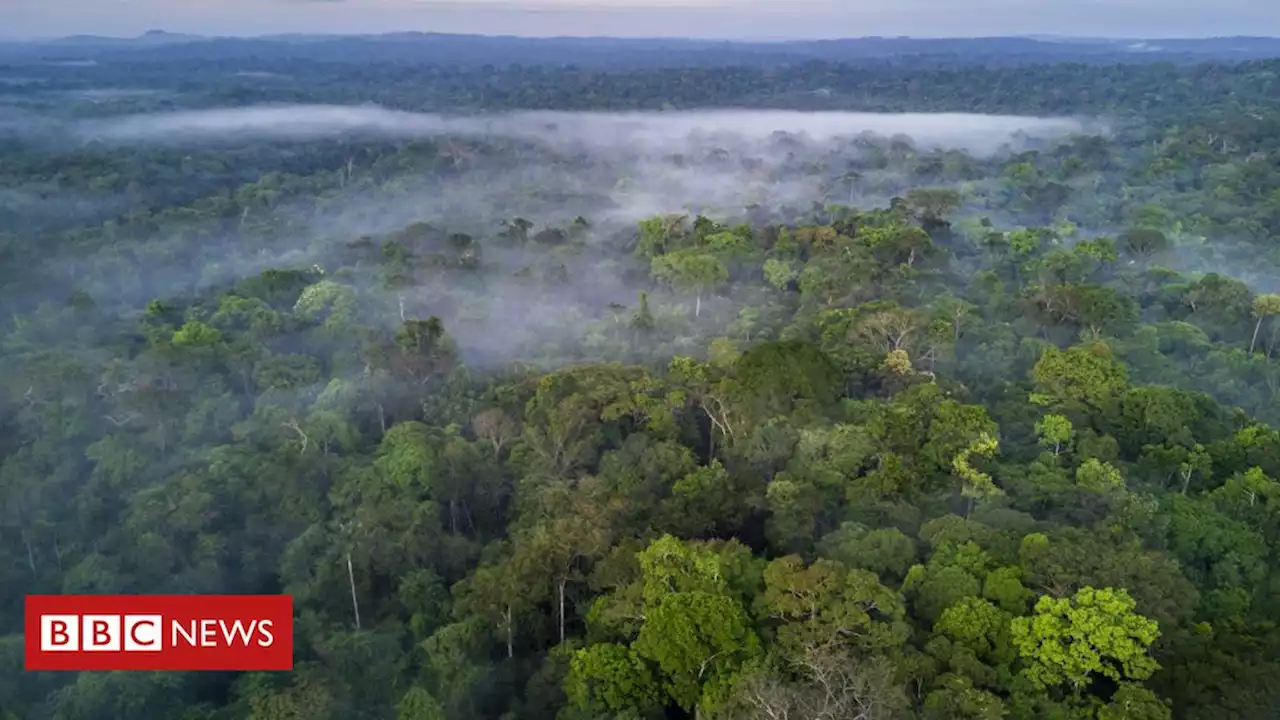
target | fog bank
x=979, y=134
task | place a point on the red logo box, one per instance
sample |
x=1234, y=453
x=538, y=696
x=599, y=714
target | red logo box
x=159, y=632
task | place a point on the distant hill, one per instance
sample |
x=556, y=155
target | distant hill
x=416, y=47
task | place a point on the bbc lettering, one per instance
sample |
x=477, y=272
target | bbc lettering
x=143, y=633
x=100, y=633
x=157, y=632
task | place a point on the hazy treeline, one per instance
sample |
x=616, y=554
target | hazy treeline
x=718, y=412
x=628, y=54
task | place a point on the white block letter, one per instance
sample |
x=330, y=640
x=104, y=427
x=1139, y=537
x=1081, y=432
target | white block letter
x=59, y=632
x=142, y=633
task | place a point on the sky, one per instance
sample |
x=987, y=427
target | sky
x=719, y=19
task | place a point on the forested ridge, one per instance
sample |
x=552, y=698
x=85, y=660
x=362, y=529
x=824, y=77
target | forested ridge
x=902, y=431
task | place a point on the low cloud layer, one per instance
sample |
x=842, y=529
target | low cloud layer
x=668, y=132
x=548, y=168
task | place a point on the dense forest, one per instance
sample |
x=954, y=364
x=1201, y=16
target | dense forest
x=704, y=410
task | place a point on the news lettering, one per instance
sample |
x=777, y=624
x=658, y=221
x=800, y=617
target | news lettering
x=211, y=630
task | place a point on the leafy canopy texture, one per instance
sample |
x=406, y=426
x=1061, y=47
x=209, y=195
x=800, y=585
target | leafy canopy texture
x=1095, y=632
x=694, y=636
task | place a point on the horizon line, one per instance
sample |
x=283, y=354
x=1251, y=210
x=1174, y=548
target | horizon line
x=1037, y=37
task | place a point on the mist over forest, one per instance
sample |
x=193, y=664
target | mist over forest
x=840, y=387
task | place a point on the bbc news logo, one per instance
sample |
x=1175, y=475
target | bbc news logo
x=159, y=632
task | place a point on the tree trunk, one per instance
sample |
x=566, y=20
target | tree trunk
x=510, y=640
x=697, y=304
x=351, y=578
x=31, y=556
x=560, y=592
x=1256, y=328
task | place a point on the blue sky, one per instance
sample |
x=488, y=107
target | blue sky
x=746, y=19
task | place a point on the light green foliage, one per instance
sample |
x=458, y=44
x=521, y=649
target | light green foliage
x=723, y=353
x=979, y=625
x=1134, y=702
x=1095, y=632
x=1082, y=377
x=1251, y=496
x=697, y=640
x=967, y=556
x=1054, y=431
x=935, y=587
x=826, y=603
x=779, y=273
x=958, y=699
x=1264, y=306
x=195, y=334
x=327, y=302
x=974, y=484
x=694, y=629
x=690, y=271
x=670, y=566
x=408, y=456
x=1194, y=463
x=661, y=234
x=1099, y=477
x=1004, y=587
x=417, y=704
x=610, y=677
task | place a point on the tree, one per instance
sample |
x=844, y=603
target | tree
x=888, y=552
x=698, y=641
x=1143, y=242
x=981, y=627
x=974, y=484
x=1264, y=306
x=497, y=593
x=826, y=604
x=608, y=677
x=1053, y=430
x=1134, y=702
x=933, y=204
x=1099, y=476
x=690, y=271
x=693, y=628
x=1095, y=632
x=957, y=698
x=1083, y=377
x=643, y=320
x=495, y=427
x=1196, y=461
x=779, y=273
x=417, y=704
x=889, y=329
x=822, y=683
x=557, y=548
